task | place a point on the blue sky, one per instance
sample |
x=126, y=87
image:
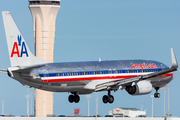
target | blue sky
x=110, y=30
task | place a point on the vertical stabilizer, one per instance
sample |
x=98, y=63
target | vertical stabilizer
x=19, y=52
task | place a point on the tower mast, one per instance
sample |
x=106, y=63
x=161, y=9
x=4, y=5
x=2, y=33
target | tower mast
x=44, y=14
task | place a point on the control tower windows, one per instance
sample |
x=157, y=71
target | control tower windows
x=44, y=3
x=34, y=3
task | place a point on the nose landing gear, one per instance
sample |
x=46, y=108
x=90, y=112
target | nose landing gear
x=157, y=95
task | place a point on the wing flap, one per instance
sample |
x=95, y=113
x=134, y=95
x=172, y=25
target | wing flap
x=113, y=85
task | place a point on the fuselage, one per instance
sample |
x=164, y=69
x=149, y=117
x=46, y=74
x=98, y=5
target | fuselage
x=82, y=77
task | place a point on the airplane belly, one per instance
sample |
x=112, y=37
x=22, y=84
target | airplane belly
x=68, y=86
x=71, y=86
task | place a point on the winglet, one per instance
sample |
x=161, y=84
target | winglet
x=173, y=57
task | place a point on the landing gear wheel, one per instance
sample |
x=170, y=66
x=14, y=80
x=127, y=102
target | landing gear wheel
x=76, y=98
x=71, y=98
x=105, y=99
x=110, y=99
x=156, y=95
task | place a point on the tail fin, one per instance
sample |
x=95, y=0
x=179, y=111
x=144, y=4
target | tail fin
x=19, y=52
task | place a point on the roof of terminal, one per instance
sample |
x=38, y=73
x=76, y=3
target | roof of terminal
x=133, y=109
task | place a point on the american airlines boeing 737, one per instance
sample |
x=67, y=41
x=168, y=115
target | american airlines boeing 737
x=137, y=77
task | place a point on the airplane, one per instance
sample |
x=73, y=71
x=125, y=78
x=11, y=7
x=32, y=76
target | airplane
x=137, y=77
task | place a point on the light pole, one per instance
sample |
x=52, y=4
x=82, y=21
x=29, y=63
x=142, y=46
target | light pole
x=164, y=99
x=168, y=100
x=96, y=105
x=141, y=107
x=27, y=96
x=31, y=105
x=88, y=98
x=2, y=107
x=32, y=93
x=152, y=104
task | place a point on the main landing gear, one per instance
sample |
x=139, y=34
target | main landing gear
x=74, y=98
x=157, y=95
x=108, y=98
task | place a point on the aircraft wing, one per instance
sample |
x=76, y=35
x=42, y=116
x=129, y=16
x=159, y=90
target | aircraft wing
x=114, y=85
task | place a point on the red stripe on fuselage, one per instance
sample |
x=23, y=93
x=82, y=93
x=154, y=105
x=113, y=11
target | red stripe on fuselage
x=96, y=78
x=88, y=78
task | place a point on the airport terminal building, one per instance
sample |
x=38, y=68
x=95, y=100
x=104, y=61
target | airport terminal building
x=127, y=112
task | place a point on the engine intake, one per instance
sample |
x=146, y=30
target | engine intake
x=140, y=88
x=9, y=73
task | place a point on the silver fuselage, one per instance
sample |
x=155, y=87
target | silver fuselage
x=82, y=77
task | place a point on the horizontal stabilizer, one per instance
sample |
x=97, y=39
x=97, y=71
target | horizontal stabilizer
x=3, y=70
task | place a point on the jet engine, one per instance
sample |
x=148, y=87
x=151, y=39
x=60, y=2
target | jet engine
x=140, y=88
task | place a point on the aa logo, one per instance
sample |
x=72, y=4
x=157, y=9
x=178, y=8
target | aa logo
x=19, y=46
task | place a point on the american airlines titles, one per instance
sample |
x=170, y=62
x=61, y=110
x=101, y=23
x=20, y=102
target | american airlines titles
x=143, y=66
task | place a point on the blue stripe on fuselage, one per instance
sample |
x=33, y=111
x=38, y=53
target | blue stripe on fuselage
x=100, y=72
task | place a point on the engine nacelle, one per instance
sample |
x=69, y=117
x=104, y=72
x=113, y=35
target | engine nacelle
x=140, y=88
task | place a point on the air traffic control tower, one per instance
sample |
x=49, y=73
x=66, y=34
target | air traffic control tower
x=44, y=14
